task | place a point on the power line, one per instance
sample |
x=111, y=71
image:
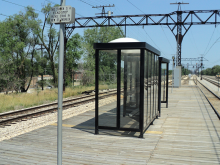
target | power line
x=145, y=31
x=9, y=16
x=213, y=63
x=211, y=46
x=166, y=37
x=4, y=15
x=86, y=2
x=135, y=6
x=209, y=40
x=193, y=39
x=19, y=5
x=154, y=43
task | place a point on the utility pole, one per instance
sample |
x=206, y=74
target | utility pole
x=179, y=36
x=201, y=65
x=187, y=67
x=103, y=10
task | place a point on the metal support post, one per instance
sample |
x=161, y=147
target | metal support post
x=159, y=89
x=60, y=92
x=64, y=62
x=218, y=82
x=167, y=76
x=96, y=91
x=173, y=74
x=179, y=37
x=201, y=65
x=42, y=75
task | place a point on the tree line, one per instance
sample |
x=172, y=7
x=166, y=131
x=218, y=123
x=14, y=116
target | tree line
x=212, y=71
x=29, y=47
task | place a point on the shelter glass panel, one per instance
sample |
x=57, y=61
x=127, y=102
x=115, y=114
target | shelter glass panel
x=156, y=83
x=107, y=81
x=163, y=79
x=146, y=112
x=152, y=85
x=130, y=88
x=149, y=85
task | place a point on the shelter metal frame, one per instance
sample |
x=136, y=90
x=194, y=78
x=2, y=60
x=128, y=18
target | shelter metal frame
x=165, y=89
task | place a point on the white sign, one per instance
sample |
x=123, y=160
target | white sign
x=62, y=14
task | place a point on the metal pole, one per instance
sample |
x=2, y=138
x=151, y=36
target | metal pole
x=201, y=65
x=42, y=75
x=218, y=82
x=60, y=92
x=173, y=74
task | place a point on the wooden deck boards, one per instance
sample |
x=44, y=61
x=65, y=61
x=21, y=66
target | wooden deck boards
x=188, y=132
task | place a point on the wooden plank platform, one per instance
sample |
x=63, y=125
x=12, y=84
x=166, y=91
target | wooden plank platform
x=186, y=133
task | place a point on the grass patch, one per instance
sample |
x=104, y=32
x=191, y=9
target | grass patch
x=15, y=101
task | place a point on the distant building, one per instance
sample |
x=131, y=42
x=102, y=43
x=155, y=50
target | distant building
x=45, y=77
x=33, y=83
x=78, y=75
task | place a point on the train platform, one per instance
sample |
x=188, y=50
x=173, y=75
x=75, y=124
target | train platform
x=188, y=132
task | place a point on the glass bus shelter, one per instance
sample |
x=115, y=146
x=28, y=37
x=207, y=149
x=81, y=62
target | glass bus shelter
x=132, y=69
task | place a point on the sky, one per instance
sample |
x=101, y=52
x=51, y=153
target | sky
x=200, y=40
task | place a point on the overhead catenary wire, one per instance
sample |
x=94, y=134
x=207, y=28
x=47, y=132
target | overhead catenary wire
x=193, y=40
x=212, y=46
x=4, y=15
x=211, y=63
x=21, y=5
x=167, y=38
x=135, y=6
x=10, y=16
x=209, y=40
x=147, y=33
x=155, y=43
x=86, y=2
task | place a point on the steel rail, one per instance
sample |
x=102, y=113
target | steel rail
x=216, y=112
x=210, y=80
x=28, y=113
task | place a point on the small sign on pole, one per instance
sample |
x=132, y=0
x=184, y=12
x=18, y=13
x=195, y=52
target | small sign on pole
x=62, y=14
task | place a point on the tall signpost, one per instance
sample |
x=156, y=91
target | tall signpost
x=60, y=15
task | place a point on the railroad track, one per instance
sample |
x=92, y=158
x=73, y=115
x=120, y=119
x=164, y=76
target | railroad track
x=8, y=118
x=212, y=98
x=211, y=80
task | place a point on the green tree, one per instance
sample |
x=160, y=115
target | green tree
x=49, y=39
x=99, y=35
x=215, y=70
x=17, y=42
x=73, y=54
